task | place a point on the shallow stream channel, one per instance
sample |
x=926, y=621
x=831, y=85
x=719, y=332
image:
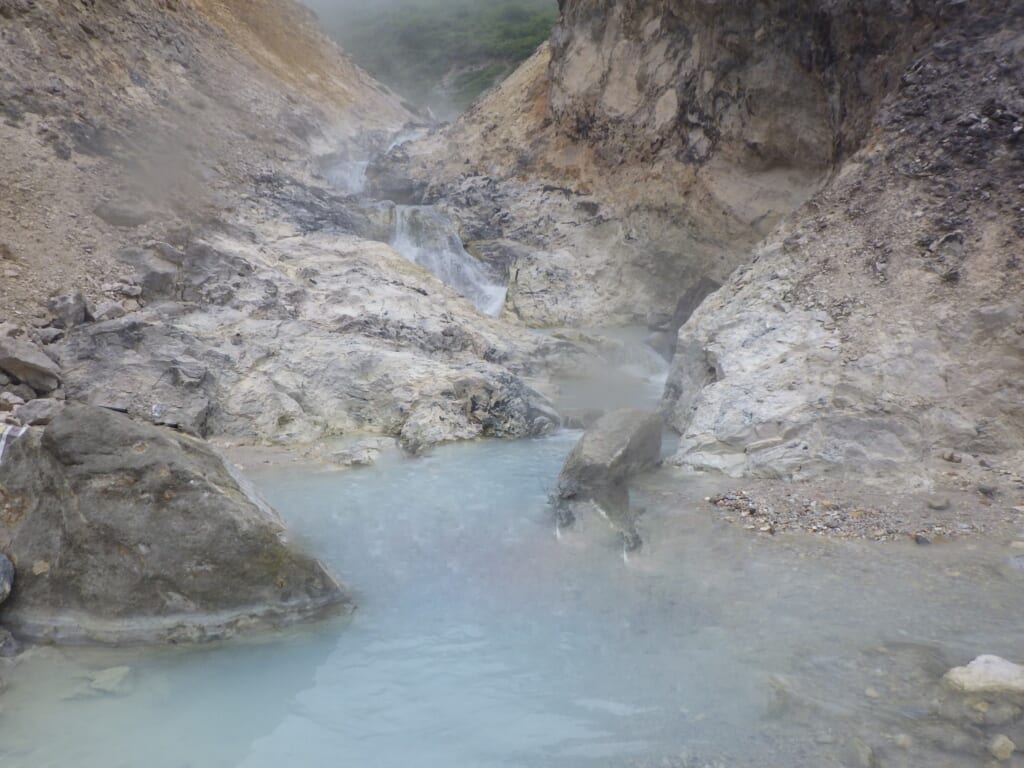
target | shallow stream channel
x=486, y=638
x=483, y=637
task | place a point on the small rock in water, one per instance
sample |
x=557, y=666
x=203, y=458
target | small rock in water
x=987, y=674
x=362, y=454
x=112, y=682
x=858, y=754
x=921, y=539
x=1001, y=747
x=48, y=336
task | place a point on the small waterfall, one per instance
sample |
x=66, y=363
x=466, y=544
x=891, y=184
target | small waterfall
x=426, y=237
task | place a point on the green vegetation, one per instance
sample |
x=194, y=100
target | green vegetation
x=441, y=53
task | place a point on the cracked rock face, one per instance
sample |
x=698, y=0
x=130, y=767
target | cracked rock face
x=651, y=145
x=126, y=532
x=300, y=338
x=880, y=327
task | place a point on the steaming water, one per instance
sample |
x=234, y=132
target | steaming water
x=483, y=640
x=426, y=237
x=347, y=176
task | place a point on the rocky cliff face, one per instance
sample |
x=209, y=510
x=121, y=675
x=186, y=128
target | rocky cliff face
x=124, y=532
x=655, y=142
x=854, y=166
x=168, y=159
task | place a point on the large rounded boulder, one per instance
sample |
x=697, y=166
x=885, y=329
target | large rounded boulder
x=125, y=532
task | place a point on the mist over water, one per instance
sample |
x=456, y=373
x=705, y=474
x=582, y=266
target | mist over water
x=483, y=639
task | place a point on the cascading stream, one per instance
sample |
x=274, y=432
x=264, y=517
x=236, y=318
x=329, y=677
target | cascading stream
x=421, y=233
x=427, y=238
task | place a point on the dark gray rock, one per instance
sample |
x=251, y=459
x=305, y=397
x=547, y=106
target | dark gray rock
x=6, y=577
x=616, y=447
x=157, y=278
x=126, y=532
x=69, y=309
x=26, y=362
x=38, y=413
x=48, y=336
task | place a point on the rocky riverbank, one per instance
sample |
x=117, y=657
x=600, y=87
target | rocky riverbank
x=851, y=176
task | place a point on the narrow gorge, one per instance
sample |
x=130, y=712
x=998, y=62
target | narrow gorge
x=664, y=408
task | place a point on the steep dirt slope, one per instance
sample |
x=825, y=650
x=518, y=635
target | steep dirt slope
x=171, y=106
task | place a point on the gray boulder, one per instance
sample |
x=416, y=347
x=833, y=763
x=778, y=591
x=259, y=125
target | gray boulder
x=69, y=309
x=126, y=532
x=26, y=362
x=38, y=413
x=9, y=401
x=616, y=447
x=6, y=577
x=9, y=646
x=110, y=310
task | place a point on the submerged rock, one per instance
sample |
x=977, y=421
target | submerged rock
x=125, y=532
x=987, y=674
x=38, y=413
x=1001, y=747
x=616, y=447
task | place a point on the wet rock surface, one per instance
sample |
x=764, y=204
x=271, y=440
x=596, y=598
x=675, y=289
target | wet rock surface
x=596, y=473
x=122, y=531
x=23, y=360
